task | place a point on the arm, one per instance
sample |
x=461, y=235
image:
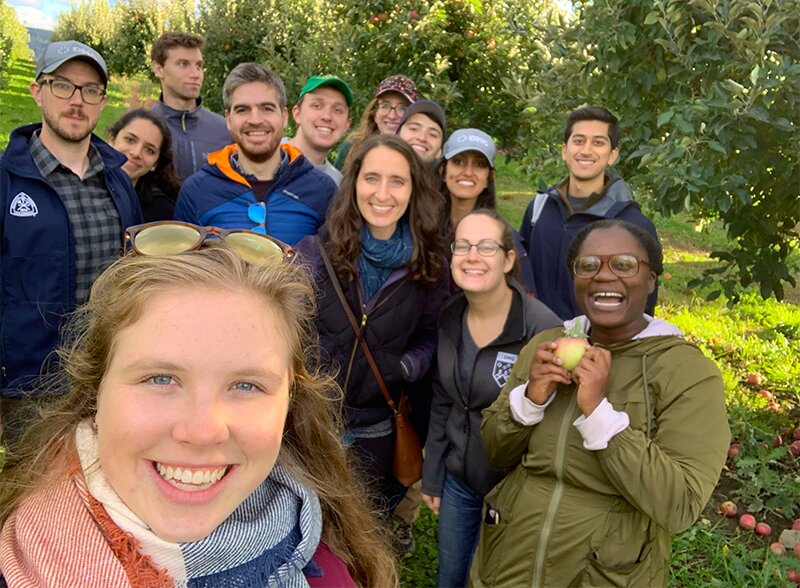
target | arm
x=433, y=468
x=185, y=206
x=418, y=356
x=670, y=478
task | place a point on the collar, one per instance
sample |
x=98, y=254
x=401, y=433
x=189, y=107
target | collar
x=656, y=327
x=165, y=106
x=47, y=163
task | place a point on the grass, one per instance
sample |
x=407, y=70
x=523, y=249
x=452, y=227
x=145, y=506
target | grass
x=756, y=336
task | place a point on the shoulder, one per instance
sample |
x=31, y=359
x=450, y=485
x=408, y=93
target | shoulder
x=327, y=570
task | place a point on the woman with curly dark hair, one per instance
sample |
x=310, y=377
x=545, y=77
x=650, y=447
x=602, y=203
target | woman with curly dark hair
x=143, y=137
x=381, y=246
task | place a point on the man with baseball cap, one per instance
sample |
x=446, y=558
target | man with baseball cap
x=64, y=204
x=322, y=115
x=424, y=126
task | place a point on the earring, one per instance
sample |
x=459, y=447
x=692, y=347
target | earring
x=94, y=425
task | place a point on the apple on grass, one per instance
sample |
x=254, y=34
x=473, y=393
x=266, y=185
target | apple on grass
x=747, y=522
x=572, y=346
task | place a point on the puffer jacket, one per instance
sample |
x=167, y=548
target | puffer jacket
x=573, y=517
x=399, y=323
x=454, y=441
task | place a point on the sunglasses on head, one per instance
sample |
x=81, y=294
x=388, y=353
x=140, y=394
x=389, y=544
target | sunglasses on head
x=174, y=237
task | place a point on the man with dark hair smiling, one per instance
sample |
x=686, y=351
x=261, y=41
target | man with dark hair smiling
x=257, y=183
x=64, y=203
x=589, y=193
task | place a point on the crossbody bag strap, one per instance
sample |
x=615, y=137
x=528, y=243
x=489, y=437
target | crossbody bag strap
x=354, y=324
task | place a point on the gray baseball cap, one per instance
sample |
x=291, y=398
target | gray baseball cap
x=58, y=53
x=470, y=140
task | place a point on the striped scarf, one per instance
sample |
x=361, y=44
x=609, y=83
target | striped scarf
x=81, y=533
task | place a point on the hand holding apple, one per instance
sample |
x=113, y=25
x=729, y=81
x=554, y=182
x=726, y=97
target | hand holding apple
x=591, y=375
x=546, y=373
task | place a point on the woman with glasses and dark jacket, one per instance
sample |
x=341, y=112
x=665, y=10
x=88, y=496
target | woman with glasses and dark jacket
x=481, y=331
x=383, y=113
x=385, y=249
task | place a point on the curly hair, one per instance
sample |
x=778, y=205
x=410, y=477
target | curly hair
x=343, y=223
x=163, y=176
x=311, y=447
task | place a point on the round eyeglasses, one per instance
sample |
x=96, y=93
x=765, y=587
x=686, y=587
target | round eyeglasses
x=63, y=89
x=621, y=265
x=484, y=247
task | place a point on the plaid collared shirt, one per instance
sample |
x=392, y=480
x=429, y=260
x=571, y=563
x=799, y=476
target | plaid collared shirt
x=96, y=226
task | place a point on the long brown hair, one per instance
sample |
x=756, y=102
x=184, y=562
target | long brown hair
x=343, y=223
x=311, y=447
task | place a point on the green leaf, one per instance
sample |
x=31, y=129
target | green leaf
x=713, y=295
x=664, y=118
x=754, y=74
x=717, y=146
x=651, y=18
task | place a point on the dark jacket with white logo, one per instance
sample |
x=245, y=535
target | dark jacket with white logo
x=454, y=435
x=37, y=263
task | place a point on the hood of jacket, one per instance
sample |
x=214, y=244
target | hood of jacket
x=219, y=164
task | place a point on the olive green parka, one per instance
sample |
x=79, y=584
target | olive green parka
x=567, y=516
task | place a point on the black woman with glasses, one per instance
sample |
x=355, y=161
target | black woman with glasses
x=481, y=331
x=190, y=444
x=383, y=113
x=65, y=201
x=612, y=458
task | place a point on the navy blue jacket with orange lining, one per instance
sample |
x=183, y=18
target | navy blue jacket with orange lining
x=220, y=196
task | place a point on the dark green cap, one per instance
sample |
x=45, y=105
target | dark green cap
x=338, y=83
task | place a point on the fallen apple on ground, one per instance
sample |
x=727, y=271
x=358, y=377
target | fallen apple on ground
x=747, y=522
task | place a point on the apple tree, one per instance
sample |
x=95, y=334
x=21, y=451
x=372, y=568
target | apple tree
x=13, y=39
x=708, y=95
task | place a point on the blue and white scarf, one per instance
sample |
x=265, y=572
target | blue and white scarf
x=266, y=541
x=379, y=258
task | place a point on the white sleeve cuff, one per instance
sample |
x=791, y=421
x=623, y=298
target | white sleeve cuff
x=601, y=426
x=523, y=410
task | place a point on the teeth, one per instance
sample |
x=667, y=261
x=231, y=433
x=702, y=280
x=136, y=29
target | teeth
x=381, y=208
x=465, y=183
x=474, y=271
x=608, y=295
x=181, y=477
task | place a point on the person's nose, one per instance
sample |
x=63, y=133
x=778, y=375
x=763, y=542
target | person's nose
x=135, y=151
x=203, y=420
x=604, y=274
x=472, y=254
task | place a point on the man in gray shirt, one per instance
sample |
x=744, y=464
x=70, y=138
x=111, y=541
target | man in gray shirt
x=177, y=62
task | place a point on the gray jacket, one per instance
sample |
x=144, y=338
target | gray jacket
x=454, y=439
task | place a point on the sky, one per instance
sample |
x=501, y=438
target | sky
x=40, y=14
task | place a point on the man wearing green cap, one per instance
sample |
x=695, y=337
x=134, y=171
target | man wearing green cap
x=322, y=115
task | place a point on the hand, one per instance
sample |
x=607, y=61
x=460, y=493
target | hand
x=591, y=375
x=546, y=373
x=432, y=502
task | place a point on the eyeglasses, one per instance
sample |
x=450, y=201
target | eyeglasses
x=174, y=237
x=621, y=265
x=386, y=108
x=484, y=247
x=64, y=90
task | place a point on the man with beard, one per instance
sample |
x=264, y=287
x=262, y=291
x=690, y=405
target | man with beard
x=64, y=203
x=257, y=183
x=177, y=62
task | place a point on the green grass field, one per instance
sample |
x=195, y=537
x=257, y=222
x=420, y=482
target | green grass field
x=755, y=337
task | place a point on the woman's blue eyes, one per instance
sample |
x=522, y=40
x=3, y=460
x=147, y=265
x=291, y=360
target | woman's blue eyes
x=161, y=380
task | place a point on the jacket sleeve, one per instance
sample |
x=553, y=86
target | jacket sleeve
x=670, y=478
x=186, y=205
x=418, y=356
x=504, y=439
x=433, y=468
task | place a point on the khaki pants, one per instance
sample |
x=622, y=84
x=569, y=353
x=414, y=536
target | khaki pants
x=408, y=509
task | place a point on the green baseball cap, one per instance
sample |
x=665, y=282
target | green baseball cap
x=336, y=82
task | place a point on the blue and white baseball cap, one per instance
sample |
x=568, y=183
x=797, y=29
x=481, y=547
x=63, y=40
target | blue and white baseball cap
x=470, y=140
x=58, y=53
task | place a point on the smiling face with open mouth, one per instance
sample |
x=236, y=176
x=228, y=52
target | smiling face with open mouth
x=192, y=407
x=614, y=305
